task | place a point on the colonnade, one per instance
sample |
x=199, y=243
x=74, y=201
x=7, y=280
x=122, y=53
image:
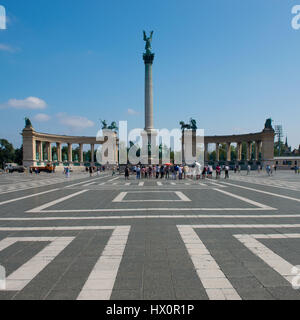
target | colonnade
x=35, y=143
x=249, y=145
x=46, y=145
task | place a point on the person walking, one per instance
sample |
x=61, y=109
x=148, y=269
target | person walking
x=157, y=171
x=210, y=171
x=161, y=171
x=91, y=171
x=248, y=169
x=167, y=172
x=204, y=172
x=180, y=170
x=138, y=172
x=226, y=172
x=185, y=171
x=126, y=173
x=218, y=172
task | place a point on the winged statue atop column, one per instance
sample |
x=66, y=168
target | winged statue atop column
x=148, y=41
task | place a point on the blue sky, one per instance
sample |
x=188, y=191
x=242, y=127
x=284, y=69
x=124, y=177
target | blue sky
x=230, y=64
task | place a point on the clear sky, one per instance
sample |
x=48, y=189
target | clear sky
x=230, y=64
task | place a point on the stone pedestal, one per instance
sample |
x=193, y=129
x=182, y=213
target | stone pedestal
x=29, y=147
x=267, y=147
x=109, y=152
x=149, y=138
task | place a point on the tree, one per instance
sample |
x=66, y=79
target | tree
x=7, y=152
x=19, y=156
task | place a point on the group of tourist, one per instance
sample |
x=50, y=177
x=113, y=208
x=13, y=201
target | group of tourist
x=175, y=172
x=163, y=171
x=91, y=170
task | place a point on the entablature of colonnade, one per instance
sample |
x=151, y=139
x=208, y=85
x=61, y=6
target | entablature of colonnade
x=63, y=139
x=260, y=136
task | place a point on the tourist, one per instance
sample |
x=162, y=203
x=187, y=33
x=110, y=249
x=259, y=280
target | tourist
x=167, y=172
x=126, y=173
x=226, y=172
x=268, y=169
x=157, y=171
x=162, y=171
x=185, y=171
x=296, y=169
x=180, y=170
x=248, y=169
x=138, y=172
x=91, y=171
x=150, y=172
x=204, y=172
x=173, y=170
x=113, y=171
x=210, y=171
x=218, y=172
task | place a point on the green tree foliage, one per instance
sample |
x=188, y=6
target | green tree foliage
x=19, y=156
x=7, y=152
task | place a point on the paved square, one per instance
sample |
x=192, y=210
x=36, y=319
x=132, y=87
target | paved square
x=107, y=238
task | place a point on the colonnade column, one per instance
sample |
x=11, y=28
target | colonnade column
x=217, y=152
x=58, y=150
x=206, y=152
x=249, y=150
x=49, y=151
x=239, y=151
x=92, y=153
x=228, y=145
x=70, y=158
x=257, y=150
x=81, y=153
x=41, y=150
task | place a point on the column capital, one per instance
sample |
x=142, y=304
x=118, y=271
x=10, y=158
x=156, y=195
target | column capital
x=148, y=58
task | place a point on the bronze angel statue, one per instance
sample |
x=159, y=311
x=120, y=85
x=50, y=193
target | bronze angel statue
x=148, y=41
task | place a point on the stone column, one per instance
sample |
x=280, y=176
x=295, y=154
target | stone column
x=228, y=145
x=41, y=151
x=206, y=152
x=81, y=153
x=148, y=59
x=92, y=154
x=149, y=126
x=70, y=157
x=249, y=150
x=49, y=148
x=58, y=148
x=217, y=152
x=257, y=150
x=239, y=151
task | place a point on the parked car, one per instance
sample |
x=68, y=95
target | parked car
x=19, y=169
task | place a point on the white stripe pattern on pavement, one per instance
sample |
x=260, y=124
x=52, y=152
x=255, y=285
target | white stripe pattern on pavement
x=215, y=283
x=100, y=282
x=22, y=276
x=280, y=265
